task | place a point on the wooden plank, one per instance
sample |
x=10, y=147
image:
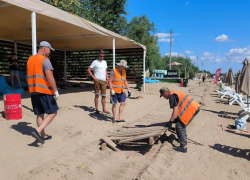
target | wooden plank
x=151, y=141
x=140, y=129
x=110, y=143
x=140, y=137
x=103, y=146
x=123, y=134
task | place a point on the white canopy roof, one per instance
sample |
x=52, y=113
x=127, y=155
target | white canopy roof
x=63, y=30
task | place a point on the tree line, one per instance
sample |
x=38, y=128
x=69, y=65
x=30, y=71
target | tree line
x=111, y=14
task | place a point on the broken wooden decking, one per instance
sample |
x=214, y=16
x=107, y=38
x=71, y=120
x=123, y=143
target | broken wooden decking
x=132, y=134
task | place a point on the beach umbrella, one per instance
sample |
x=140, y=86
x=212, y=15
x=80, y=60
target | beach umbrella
x=230, y=77
x=225, y=78
x=244, y=80
x=237, y=83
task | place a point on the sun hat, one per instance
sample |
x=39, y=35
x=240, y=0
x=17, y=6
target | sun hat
x=123, y=63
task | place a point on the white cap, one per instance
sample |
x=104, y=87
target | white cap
x=46, y=44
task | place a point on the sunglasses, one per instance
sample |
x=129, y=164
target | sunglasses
x=101, y=56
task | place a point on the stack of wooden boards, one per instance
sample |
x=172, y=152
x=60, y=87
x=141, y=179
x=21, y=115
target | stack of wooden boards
x=132, y=134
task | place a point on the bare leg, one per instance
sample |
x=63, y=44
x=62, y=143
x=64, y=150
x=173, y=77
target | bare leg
x=46, y=121
x=122, y=105
x=18, y=79
x=39, y=121
x=114, y=111
x=96, y=101
x=12, y=79
x=104, y=104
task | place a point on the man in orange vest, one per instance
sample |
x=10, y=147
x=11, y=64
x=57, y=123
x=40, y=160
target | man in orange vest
x=42, y=87
x=185, y=108
x=117, y=81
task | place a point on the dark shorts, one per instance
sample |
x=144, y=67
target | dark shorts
x=100, y=86
x=118, y=97
x=13, y=71
x=43, y=103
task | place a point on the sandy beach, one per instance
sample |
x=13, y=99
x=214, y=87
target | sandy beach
x=74, y=151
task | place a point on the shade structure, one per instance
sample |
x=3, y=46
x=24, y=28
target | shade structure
x=230, y=78
x=237, y=82
x=175, y=64
x=245, y=77
x=63, y=30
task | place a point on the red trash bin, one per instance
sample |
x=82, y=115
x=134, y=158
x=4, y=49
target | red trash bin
x=12, y=106
x=181, y=84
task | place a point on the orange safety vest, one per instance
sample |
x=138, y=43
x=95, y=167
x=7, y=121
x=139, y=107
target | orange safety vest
x=118, y=80
x=187, y=107
x=37, y=82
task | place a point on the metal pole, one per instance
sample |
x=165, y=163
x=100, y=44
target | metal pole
x=15, y=48
x=144, y=73
x=197, y=62
x=114, y=53
x=65, y=67
x=170, y=48
x=33, y=23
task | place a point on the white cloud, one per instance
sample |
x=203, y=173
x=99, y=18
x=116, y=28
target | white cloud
x=164, y=40
x=189, y=52
x=176, y=54
x=193, y=59
x=162, y=35
x=207, y=56
x=238, y=54
x=222, y=38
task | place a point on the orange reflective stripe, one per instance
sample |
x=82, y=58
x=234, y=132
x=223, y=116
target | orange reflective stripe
x=118, y=80
x=187, y=106
x=37, y=82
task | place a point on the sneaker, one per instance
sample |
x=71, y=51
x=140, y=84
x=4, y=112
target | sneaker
x=180, y=149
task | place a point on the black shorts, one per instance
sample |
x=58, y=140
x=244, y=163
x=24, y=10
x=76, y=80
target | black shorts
x=43, y=103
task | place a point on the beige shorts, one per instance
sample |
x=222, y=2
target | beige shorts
x=100, y=86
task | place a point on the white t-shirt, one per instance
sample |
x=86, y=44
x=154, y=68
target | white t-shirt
x=100, y=68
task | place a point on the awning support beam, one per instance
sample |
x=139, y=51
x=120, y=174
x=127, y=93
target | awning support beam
x=114, y=53
x=65, y=66
x=144, y=73
x=33, y=23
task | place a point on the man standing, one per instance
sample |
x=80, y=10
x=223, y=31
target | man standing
x=185, y=108
x=42, y=87
x=100, y=78
x=13, y=67
x=117, y=81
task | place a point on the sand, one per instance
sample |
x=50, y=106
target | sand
x=74, y=151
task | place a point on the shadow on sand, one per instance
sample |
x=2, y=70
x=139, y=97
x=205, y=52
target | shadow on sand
x=24, y=129
x=237, y=152
x=92, y=113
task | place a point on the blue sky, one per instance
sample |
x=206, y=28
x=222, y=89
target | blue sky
x=215, y=31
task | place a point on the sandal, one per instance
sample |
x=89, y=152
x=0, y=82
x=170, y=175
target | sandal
x=48, y=137
x=37, y=136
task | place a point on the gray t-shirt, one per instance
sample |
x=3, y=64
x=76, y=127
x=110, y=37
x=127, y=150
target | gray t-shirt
x=112, y=74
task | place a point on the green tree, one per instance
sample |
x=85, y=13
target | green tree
x=72, y=6
x=141, y=29
x=110, y=14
